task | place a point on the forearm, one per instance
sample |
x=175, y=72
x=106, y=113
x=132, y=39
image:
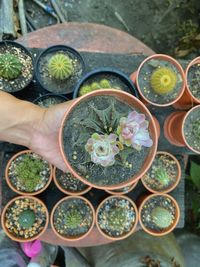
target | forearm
x=18, y=119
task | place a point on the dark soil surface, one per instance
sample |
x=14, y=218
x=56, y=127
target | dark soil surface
x=76, y=135
x=194, y=80
x=145, y=77
x=26, y=75
x=48, y=101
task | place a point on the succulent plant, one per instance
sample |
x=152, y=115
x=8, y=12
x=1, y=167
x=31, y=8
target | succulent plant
x=162, y=217
x=117, y=219
x=163, y=80
x=133, y=131
x=73, y=219
x=85, y=90
x=26, y=219
x=28, y=172
x=105, y=84
x=10, y=66
x=60, y=66
x=196, y=128
x=95, y=86
x=162, y=176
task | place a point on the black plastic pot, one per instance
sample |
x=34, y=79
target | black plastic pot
x=130, y=86
x=68, y=84
x=43, y=97
x=26, y=51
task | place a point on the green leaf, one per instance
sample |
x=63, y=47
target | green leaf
x=195, y=174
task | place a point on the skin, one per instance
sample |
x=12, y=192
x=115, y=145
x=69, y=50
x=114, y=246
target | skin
x=29, y=125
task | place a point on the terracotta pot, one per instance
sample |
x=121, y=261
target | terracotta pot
x=72, y=238
x=65, y=191
x=177, y=216
x=188, y=100
x=20, y=239
x=123, y=193
x=125, y=235
x=178, y=177
x=20, y=192
x=133, y=102
x=157, y=124
x=135, y=77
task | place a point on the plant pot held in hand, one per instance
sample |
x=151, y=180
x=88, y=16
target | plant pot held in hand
x=116, y=217
x=27, y=173
x=164, y=174
x=24, y=218
x=108, y=139
x=72, y=218
x=160, y=80
x=159, y=214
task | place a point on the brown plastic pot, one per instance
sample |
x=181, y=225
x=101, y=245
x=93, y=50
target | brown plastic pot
x=169, y=230
x=122, y=193
x=72, y=238
x=178, y=177
x=125, y=235
x=65, y=191
x=133, y=102
x=20, y=239
x=188, y=100
x=21, y=192
x=135, y=78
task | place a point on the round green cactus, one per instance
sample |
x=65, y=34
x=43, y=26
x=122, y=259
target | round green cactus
x=162, y=217
x=60, y=67
x=117, y=219
x=163, y=80
x=85, y=90
x=95, y=86
x=162, y=176
x=105, y=84
x=10, y=66
x=196, y=128
x=73, y=219
x=26, y=219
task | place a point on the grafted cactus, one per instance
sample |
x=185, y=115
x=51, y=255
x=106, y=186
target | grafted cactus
x=10, y=66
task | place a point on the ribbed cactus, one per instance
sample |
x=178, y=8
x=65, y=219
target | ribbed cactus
x=163, y=80
x=85, y=90
x=162, y=217
x=196, y=128
x=117, y=219
x=26, y=219
x=60, y=67
x=73, y=219
x=10, y=66
x=162, y=176
x=105, y=84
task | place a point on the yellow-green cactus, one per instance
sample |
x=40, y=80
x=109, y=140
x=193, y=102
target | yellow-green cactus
x=73, y=219
x=84, y=90
x=163, y=80
x=105, y=84
x=10, y=66
x=95, y=86
x=60, y=67
x=162, y=217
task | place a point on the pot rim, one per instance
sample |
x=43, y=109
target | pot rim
x=151, y=232
x=118, y=93
x=75, y=238
x=18, y=239
x=123, y=193
x=134, y=226
x=27, y=151
x=49, y=95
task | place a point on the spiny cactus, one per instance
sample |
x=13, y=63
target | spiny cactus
x=162, y=217
x=84, y=90
x=196, y=128
x=10, y=66
x=163, y=80
x=117, y=219
x=60, y=67
x=26, y=219
x=105, y=84
x=28, y=172
x=162, y=176
x=73, y=219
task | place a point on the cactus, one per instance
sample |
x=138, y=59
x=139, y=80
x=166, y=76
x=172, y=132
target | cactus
x=196, y=128
x=10, y=66
x=163, y=80
x=162, y=217
x=85, y=90
x=26, y=219
x=60, y=67
x=117, y=219
x=105, y=84
x=73, y=219
x=162, y=176
x=95, y=86
x=28, y=172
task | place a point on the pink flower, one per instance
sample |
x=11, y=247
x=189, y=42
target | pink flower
x=102, y=149
x=133, y=131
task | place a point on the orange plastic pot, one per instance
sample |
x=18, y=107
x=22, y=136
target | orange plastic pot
x=188, y=99
x=170, y=229
x=135, y=78
x=122, y=192
x=131, y=101
x=125, y=235
x=20, y=239
x=21, y=192
x=178, y=177
x=65, y=191
x=65, y=238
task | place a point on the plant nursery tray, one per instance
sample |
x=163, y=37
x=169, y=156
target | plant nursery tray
x=127, y=64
